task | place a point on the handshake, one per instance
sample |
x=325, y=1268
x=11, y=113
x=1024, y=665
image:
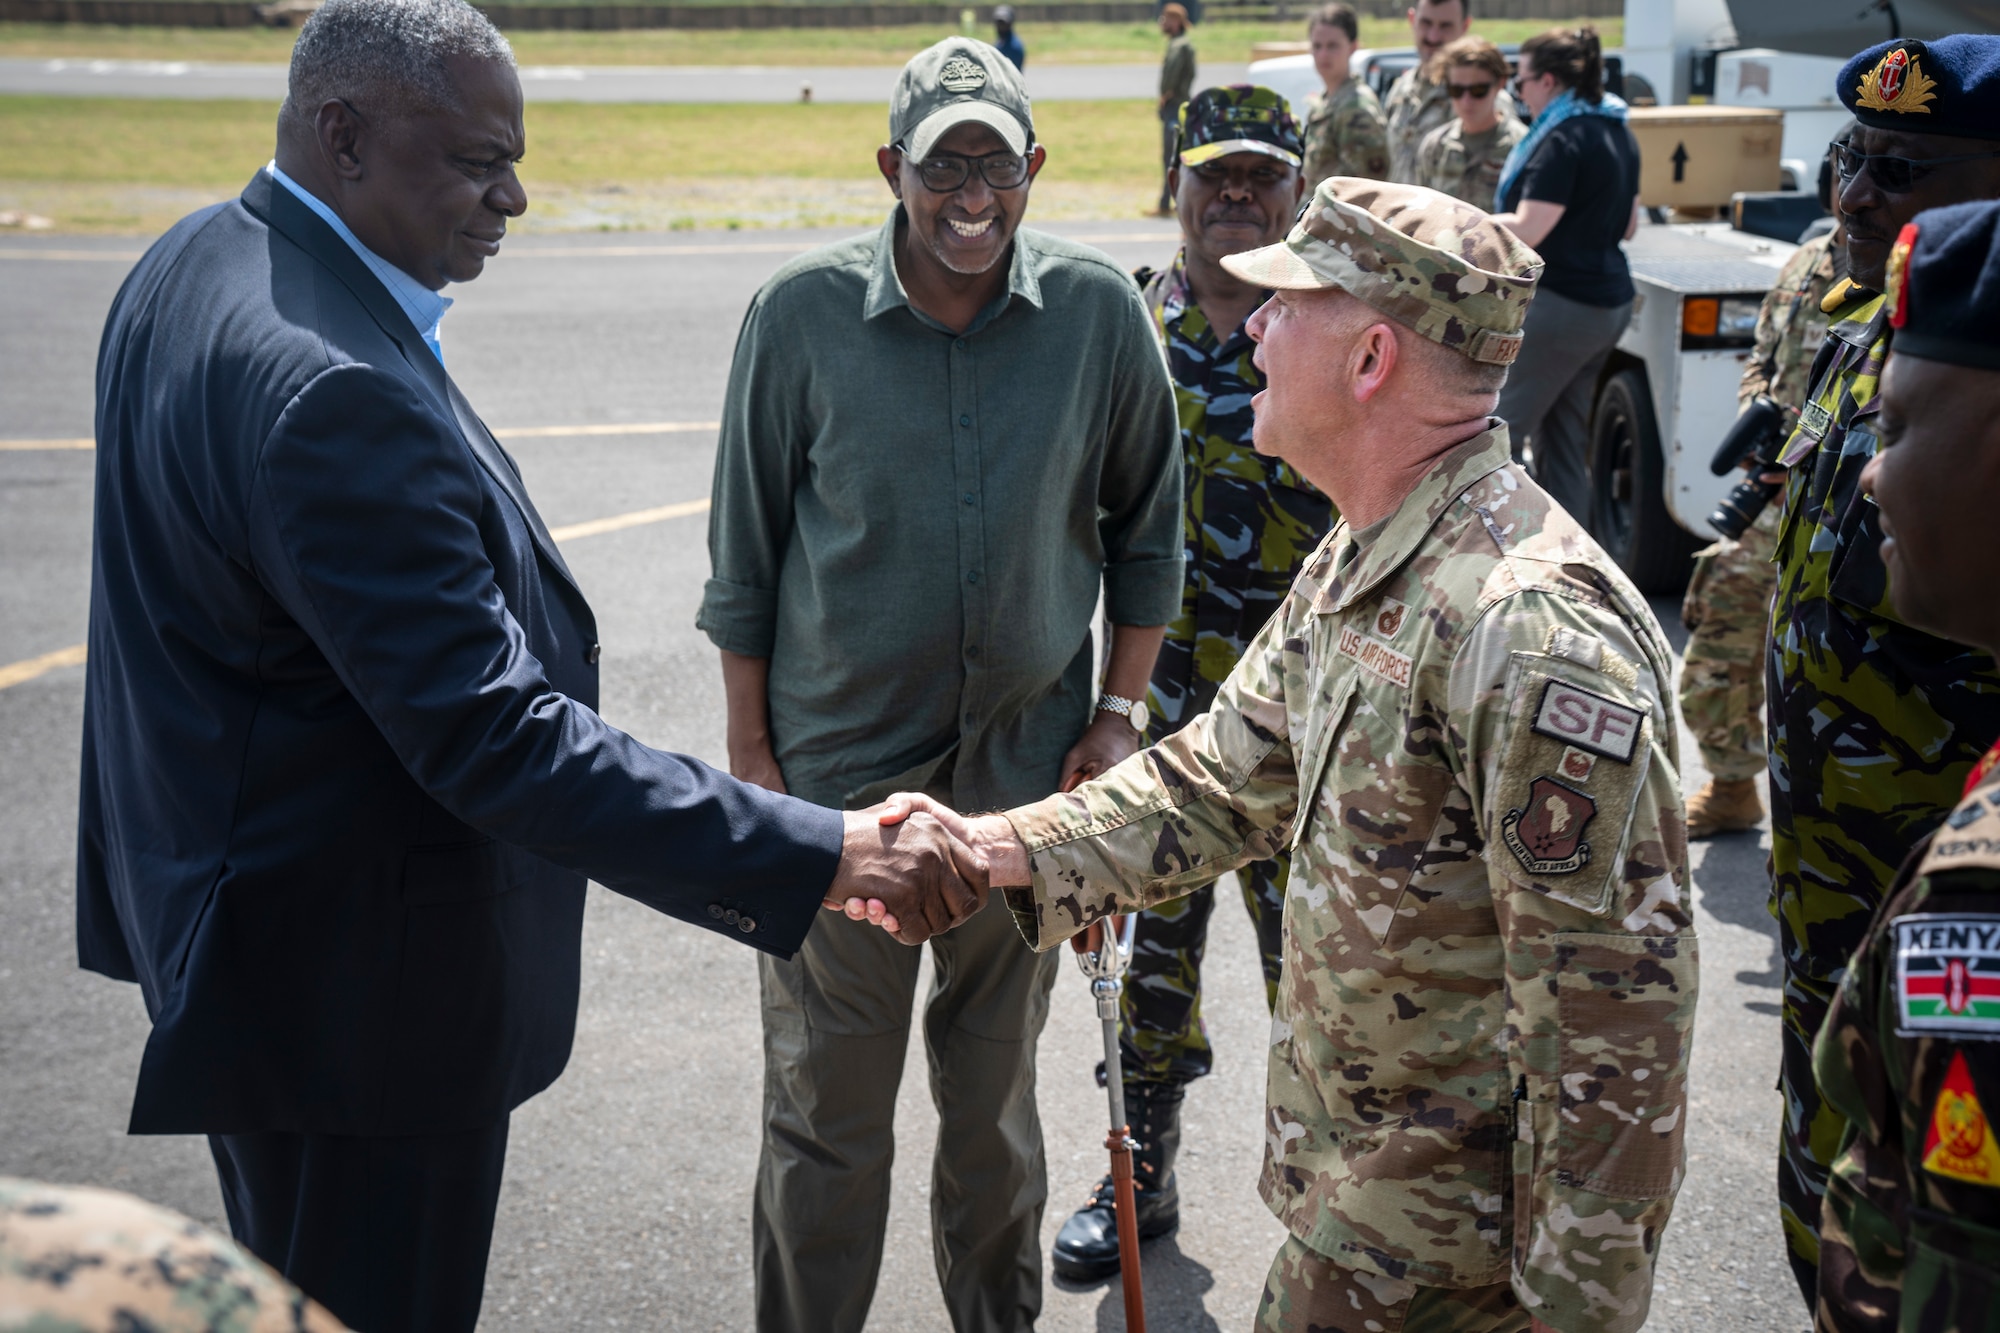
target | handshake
x=917, y=868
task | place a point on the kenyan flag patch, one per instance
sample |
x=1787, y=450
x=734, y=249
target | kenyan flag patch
x=1948, y=976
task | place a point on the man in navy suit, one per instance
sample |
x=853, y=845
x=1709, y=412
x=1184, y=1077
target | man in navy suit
x=343, y=779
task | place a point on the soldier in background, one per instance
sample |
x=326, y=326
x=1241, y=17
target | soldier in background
x=1909, y=1059
x=1463, y=156
x=1005, y=40
x=1344, y=133
x=1418, y=101
x=1727, y=609
x=1177, y=71
x=1251, y=523
x=80, y=1260
x=1458, y=723
x=1873, y=724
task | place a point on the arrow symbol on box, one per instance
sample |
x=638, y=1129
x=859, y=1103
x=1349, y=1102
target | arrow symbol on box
x=1680, y=161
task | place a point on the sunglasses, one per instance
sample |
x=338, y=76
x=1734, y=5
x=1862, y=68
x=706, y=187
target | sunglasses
x=944, y=172
x=1459, y=90
x=1893, y=175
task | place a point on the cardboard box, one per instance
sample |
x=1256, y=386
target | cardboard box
x=1698, y=156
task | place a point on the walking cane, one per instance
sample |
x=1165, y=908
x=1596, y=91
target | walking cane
x=1104, y=951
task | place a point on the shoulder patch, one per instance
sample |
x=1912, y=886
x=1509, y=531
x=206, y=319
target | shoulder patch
x=1948, y=975
x=1588, y=721
x=1959, y=1143
x=1969, y=838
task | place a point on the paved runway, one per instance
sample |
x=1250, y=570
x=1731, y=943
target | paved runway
x=582, y=83
x=628, y=1183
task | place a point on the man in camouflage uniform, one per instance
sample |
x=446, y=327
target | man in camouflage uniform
x=1873, y=724
x=1727, y=609
x=1418, y=102
x=1251, y=522
x=1177, y=70
x=77, y=1260
x=1463, y=157
x=1909, y=1059
x=1344, y=134
x=1457, y=723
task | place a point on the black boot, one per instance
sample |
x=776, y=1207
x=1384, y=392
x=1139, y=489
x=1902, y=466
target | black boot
x=1087, y=1246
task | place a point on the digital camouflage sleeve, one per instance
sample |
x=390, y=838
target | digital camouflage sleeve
x=1479, y=1054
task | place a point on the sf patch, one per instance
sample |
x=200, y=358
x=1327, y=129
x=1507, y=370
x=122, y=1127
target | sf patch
x=1948, y=976
x=1959, y=1143
x=1588, y=721
x=1547, y=837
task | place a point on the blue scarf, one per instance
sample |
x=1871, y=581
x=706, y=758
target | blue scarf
x=1563, y=108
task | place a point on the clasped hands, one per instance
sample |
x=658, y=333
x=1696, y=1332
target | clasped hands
x=917, y=868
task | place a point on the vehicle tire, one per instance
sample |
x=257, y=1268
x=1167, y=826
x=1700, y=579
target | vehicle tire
x=1628, y=508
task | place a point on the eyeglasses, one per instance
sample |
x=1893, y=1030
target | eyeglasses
x=1893, y=175
x=1459, y=90
x=944, y=172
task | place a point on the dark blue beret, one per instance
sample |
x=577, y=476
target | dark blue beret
x=1949, y=86
x=1944, y=285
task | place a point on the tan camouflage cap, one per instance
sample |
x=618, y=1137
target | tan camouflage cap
x=1424, y=259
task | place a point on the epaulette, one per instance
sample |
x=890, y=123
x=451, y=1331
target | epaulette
x=1838, y=295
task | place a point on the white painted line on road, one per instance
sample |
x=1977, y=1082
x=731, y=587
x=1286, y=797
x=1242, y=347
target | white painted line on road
x=18, y=673
x=512, y=433
x=36, y=446
x=125, y=256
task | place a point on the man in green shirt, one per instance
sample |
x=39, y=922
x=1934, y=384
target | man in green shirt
x=938, y=443
x=1176, y=86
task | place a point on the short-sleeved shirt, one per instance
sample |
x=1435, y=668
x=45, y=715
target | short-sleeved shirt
x=913, y=524
x=1590, y=165
x=1467, y=166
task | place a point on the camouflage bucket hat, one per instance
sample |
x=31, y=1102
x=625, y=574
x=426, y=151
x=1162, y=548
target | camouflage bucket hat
x=1240, y=118
x=1424, y=259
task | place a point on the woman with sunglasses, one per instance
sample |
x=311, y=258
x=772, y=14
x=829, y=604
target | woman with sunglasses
x=1463, y=156
x=1570, y=189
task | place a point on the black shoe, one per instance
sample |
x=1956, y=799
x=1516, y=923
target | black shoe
x=1086, y=1248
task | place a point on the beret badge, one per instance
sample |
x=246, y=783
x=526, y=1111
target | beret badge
x=1897, y=83
x=1898, y=281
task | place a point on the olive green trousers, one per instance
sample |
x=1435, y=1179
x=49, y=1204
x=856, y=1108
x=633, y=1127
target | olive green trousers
x=836, y=1027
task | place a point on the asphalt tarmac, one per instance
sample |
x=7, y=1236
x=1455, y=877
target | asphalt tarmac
x=72, y=77
x=627, y=1197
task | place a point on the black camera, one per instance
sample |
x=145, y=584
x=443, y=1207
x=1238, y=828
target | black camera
x=1757, y=437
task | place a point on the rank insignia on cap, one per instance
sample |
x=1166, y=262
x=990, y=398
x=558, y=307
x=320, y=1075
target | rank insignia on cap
x=1899, y=276
x=1959, y=1144
x=1547, y=837
x=1948, y=976
x=1897, y=83
x=961, y=75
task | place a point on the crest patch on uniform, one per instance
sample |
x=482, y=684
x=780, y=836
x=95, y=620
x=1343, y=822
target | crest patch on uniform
x=1897, y=83
x=1389, y=618
x=1959, y=1144
x=1814, y=419
x=1547, y=837
x=1576, y=764
x=1375, y=656
x=961, y=75
x=1588, y=721
x=1948, y=975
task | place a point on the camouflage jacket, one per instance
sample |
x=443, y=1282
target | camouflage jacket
x=1791, y=328
x=1479, y=1054
x=1251, y=520
x=1465, y=167
x=1873, y=725
x=1414, y=107
x=76, y=1260
x=1910, y=1058
x=1345, y=135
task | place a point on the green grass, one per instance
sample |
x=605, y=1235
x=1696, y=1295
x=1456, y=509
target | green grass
x=1064, y=43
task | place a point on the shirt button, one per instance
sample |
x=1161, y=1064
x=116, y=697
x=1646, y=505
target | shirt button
x=964, y=420
x=731, y=917
x=715, y=910
x=969, y=498
x=972, y=650
x=959, y=343
x=746, y=924
x=972, y=576
x=592, y=653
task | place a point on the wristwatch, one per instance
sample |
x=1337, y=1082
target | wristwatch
x=1132, y=710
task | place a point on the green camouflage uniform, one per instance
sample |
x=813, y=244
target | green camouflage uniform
x=1467, y=166
x=78, y=1260
x=1251, y=523
x=1873, y=728
x=1345, y=135
x=1414, y=107
x=1909, y=1065
x=1727, y=609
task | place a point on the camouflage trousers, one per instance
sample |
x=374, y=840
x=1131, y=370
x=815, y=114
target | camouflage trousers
x=1809, y=1137
x=1728, y=612
x=1161, y=1036
x=1305, y=1290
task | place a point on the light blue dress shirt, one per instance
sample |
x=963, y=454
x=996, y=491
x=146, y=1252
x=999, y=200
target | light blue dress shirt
x=424, y=307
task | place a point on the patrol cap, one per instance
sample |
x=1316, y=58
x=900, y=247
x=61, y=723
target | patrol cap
x=1944, y=285
x=1240, y=118
x=1949, y=86
x=958, y=80
x=1422, y=258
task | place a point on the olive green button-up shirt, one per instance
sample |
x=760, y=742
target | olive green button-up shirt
x=914, y=525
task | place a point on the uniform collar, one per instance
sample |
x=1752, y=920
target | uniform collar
x=1861, y=321
x=1484, y=453
x=885, y=286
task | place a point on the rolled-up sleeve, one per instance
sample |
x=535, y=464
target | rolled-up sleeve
x=758, y=458
x=1141, y=492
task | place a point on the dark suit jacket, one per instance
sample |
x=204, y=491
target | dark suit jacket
x=342, y=775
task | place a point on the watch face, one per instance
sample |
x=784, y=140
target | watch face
x=1140, y=715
